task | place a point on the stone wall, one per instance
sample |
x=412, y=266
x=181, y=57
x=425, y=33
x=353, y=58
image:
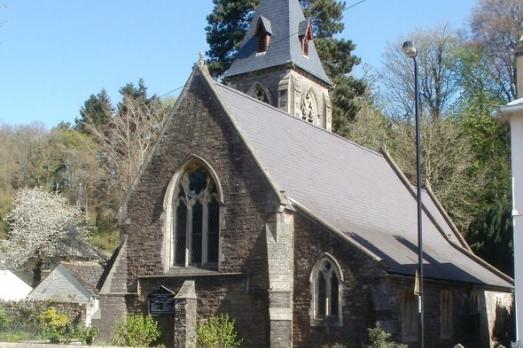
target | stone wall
x=269, y=78
x=287, y=87
x=225, y=293
x=360, y=273
x=201, y=129
x=473, y=317
x=24, y=314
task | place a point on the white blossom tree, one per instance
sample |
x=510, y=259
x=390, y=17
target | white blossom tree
x=38, y=221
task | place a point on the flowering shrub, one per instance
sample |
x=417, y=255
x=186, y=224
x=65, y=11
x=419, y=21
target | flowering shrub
x=37, y=222
x=54, y=325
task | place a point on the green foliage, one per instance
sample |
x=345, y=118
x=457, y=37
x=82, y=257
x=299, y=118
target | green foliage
x=105, y=240
x=97, y=109
x=227, y=25
x=136, y=331
x=54, y=325
x=490, y=234
x=85, y=334
x=4, y=320
x=381, y=339
x=41, y=320
x=218, y=332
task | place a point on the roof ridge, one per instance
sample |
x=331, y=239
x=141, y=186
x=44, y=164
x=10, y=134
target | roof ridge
x=298, y=119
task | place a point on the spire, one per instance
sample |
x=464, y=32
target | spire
x=278, y=35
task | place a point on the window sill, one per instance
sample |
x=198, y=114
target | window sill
x=328, y=322
x=193, y=273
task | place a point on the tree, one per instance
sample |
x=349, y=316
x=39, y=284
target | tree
x=495, y=26
x=125, y=140
x=226, y=30
x=436, y=74
x=97, y=110
x=490, y=235
x=490, y=229
x=228, y=23
x=38, y=221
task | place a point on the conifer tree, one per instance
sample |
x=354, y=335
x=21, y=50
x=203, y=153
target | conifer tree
x=97, y=110
x=228, y=23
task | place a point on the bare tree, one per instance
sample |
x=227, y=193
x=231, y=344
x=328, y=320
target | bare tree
x=448, y=165
x=126, y=140
x=495, y=25
x=436, y=74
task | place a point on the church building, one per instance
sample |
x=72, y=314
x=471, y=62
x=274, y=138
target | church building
x=249, y=205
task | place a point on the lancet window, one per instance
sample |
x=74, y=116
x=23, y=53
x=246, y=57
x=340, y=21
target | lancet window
x=196, y=218
x=326, y=289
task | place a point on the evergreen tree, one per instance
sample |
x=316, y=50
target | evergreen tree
x=490, y=235
x=228, y=23
x=97, y=109
x=136, y=95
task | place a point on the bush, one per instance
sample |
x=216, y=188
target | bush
x=380, y=339
x=218, y=332
x=4, y=320
x=136, y=331
x=54, y=325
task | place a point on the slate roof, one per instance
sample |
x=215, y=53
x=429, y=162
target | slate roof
x=69, y=282
x=354, y=191
x=87, y=273
x=285, y=20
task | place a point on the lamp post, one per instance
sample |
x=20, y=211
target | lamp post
x=410, y=52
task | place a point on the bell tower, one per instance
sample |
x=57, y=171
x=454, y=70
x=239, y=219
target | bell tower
x=278, y=63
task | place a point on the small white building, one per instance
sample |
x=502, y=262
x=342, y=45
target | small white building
x=75, y=282
x=12, y=288
x=513, y=112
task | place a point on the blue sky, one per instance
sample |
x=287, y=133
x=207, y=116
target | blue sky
x=55, y=53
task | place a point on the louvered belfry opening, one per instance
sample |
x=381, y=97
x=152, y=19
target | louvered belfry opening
x=263, y=32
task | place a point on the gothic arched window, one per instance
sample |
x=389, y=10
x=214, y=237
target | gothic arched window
x=326, y=281
x=259, y=92
x=195, y=218
x=309, y=109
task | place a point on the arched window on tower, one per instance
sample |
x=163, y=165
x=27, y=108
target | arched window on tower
x=326, y=283
x=309, y=109
x=259, y=92
x=195, y=215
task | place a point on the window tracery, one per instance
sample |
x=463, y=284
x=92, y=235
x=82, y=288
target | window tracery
x=309, y=110
x=259, y=92
x=326, y=286
x=196, y=218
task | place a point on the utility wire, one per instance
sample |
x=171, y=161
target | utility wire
x=170, y=92
x=356, y=4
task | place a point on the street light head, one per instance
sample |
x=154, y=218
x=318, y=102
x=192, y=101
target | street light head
x=409, y=49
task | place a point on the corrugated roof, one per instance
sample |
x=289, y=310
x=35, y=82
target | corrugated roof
x=353, y=189
x=286, y=20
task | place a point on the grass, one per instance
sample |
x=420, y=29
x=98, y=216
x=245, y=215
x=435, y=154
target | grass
x=19, y=336
x=107, y=241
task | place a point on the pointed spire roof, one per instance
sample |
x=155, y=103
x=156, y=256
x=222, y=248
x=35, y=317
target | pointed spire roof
x=285, y=22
